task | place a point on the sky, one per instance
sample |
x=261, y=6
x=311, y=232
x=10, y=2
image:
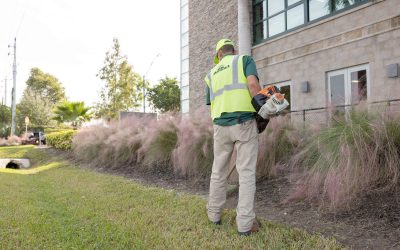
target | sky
x=69, y=38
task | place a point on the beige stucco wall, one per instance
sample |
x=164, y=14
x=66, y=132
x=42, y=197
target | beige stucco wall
x=368, y=34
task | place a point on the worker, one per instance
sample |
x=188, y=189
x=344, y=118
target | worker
x=231, y=85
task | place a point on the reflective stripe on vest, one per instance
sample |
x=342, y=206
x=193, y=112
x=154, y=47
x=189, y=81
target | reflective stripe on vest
x=228, y=87
x=235, y=81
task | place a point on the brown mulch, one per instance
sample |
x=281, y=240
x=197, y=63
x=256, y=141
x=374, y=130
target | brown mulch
x=372, y=223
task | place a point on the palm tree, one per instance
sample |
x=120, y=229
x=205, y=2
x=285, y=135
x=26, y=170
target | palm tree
x=74, y=112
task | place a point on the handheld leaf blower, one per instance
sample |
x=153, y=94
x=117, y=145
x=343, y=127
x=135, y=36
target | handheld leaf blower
x=268, y=102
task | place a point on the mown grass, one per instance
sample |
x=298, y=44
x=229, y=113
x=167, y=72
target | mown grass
x=74, y=208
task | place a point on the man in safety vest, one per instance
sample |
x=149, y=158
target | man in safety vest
x=231, y=85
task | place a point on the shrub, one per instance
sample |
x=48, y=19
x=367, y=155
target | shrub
x=357, y=154
x=193, y=155
x=277, y=144
x=115, y=146
x=61, y=140
x=11, y=141
x=158, y=140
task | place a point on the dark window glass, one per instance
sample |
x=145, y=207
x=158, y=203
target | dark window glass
x=259, y=13
x=295, y=16
x=260, y=31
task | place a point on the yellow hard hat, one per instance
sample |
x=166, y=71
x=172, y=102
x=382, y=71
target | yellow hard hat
x=221, y=43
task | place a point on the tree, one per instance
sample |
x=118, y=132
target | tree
x=5, y=120
x=166, y=95
x=43, y=91
x=122, y=90
x=46, y=85
x=37, y=108
x=74, y=112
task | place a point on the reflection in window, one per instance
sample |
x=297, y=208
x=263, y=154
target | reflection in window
x=272, y=17
x=340, y=4
x=318, y=8
x=358, y=86
x=295, y=16
x=275, y=6
x=276, y=24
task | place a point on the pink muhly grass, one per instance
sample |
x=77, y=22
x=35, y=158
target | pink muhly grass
x=158, y=140
x=3, y=142
x=193, y=155
x=354, y=156
x=276, y=145
x=14, y=140
x=114, y=146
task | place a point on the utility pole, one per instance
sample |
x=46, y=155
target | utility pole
x=14, y=95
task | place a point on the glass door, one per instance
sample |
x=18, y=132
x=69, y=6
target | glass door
x=348, y=86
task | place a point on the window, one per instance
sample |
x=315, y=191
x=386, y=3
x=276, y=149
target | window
x=184, y=88
x=348, y=86
x=274, y=17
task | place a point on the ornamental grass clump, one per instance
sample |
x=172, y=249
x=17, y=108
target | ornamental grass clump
x=158, y=140
x=357, y=154
x=193, y=155
x=11, y=141
x=122, y=145
x=89, y=144
x=277, y=144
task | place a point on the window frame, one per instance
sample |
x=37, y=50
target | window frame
x=285, y=10
x=346, y=72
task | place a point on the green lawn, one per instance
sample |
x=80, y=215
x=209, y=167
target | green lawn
x=72, y=208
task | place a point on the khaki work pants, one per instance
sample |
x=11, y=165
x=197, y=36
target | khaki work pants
x=244, y=137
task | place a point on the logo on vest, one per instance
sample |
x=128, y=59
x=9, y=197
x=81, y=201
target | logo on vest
x=221, y=68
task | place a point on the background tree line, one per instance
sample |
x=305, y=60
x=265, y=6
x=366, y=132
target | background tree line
x=45, y=103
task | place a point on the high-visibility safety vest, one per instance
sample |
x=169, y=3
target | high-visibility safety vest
x=228, y=87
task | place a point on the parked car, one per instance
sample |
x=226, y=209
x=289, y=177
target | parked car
x=36, y=138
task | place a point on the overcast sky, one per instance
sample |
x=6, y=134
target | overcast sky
x=69, y=39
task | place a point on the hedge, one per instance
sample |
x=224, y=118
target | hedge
x=61, y=140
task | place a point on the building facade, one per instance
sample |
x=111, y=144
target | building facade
x=320, y=52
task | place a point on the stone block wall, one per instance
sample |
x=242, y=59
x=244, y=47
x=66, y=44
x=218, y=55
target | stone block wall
x=209, y=21
x=368, y=34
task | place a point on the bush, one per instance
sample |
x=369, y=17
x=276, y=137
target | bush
x=61, y=140
x=11, y=141
x=115, y=146
x=193, y=155
x=356, y=155
x=158, y=141
x=277, y=144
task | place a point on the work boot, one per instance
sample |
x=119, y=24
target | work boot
x=254, y=229
x=218, y=223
